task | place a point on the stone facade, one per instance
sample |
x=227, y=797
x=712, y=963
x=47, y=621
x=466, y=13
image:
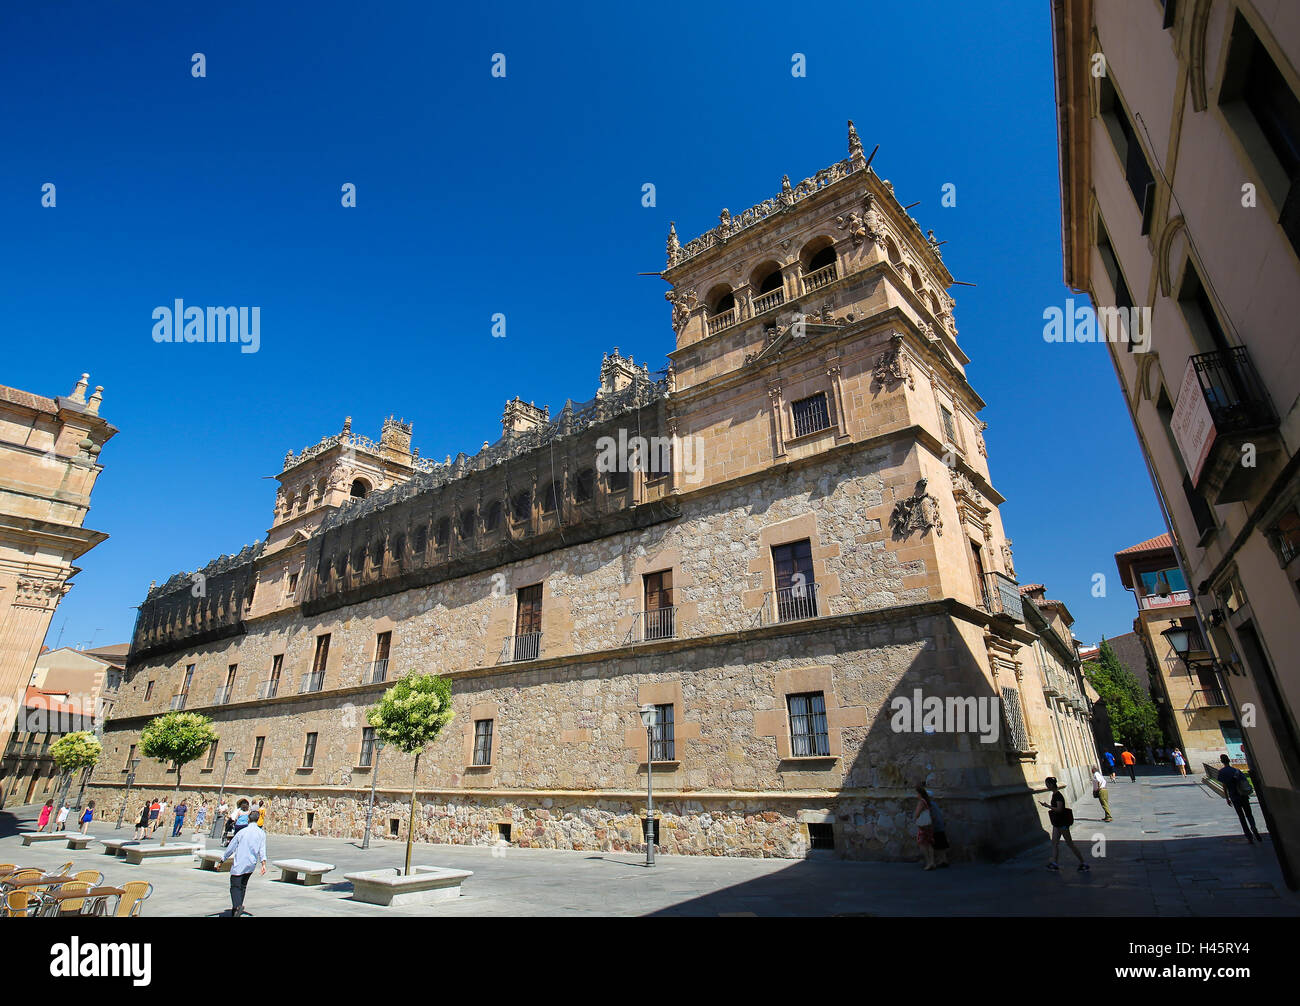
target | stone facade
x=823, y=541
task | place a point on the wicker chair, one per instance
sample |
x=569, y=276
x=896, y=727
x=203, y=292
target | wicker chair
x=60, y=871
x=20, y=876
x=131, y=901
x=17, y=904
x=7, y=868
x=71, y=906
x=92, y=877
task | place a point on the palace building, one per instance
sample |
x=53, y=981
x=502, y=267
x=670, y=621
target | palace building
x=819, y=546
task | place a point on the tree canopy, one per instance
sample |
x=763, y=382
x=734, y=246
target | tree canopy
x=177, y=737
x=412, y=713
x=1134, y=719
x=75, y=751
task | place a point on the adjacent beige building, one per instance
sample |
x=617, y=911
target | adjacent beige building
x=1180, y=175
x=49, y=461
x=790, y=545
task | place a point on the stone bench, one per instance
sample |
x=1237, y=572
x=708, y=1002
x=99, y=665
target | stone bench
x=137, y=854
x=80, y=842
x=310, y=872
x=116, y=846
x=212, y=860
x=32, y=837
x=390, y=887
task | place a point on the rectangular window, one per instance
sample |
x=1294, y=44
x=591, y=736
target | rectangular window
x=1017, y=737
x=277, y=665
x=231, y=671
x=482, y=742
x=130, y=754
x=382, y=643
x=322, y=654
x=212, y=754
x=949, y=429
x=189, y=676
x=367, y=746
x=148, y=690
x=659, y=611
x=1137, y=172
x=528, y=622
x=796, y=590
x=821, y=835
x=809, y=737
x=981, y=581
x=293, y=586
x=309, y=752
x=811, y=414
x=665, y=745
x=258, y=744
x=1156, y=580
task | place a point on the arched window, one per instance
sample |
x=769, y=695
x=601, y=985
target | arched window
x=377, y=551
x=584, y=486
x=360, y=488
x=821, y=259
x=493, y=519
x=398, y=549
x=522, y=506
x=340, y=564
x=720, y=300
x=467, y=522
x=442, y=531
x=619, y=481
x=891, y=250
x=359, y=559
x=916, y=278
x=421, y=541
x=766, y=278
x=551, y=501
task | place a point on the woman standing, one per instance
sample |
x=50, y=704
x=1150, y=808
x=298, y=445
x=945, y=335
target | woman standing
x=142, y=825
x=44, y=819
x=940, y=829
x=87, y=816
x=1180, y=762
x=1061, y=817
x=924, y=826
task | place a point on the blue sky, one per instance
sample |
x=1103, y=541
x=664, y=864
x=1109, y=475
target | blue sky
x=522, y=195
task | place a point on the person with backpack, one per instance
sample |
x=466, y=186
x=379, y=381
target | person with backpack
x=1062, y=817
x=1237, y=790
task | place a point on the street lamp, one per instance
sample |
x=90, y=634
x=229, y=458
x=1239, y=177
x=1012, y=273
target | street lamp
x=370, y=807
x=217, y=822
x=650, y=716
x=126, y=797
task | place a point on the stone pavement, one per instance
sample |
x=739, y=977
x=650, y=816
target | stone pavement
x=1175, y=848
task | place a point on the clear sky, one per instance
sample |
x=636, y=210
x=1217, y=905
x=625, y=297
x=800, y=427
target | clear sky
x=520, y=195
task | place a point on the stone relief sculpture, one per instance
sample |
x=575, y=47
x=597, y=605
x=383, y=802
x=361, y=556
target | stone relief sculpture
x=1007, y=559
x=919, y=512
x=892, y=365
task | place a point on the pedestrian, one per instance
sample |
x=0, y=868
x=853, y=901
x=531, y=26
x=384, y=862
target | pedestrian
x=240, y=818
x=182, y=809
x=924, y=827
x=1237, y=790
x=261, y=814
x=154, y=809
x=1061, y=817
x=1099, y=791
x=1180, y=762
x=200, y=818
x=1109, y=758
x=940, y=828
x=87, y=816
x=246, y=850
x=1126, y=756
x=142, y=825
x=44, y=819
x=62, y=821
x=162, y=814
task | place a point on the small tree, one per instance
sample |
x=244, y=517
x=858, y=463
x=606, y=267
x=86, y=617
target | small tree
x=410, y=715
x=75, y=752
x=178, y=738
x=1134, y=719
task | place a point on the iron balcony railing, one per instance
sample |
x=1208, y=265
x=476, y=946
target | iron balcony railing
x=178, y=701
x=376, y=671
x=790, y=604
x=312, y=681
x=1051, y=682
x=526, y=646
x=1001, y=596
x=224, y=695
x=657, y=623
x=1233, y=392
x=268, y=688
x=1207, y=698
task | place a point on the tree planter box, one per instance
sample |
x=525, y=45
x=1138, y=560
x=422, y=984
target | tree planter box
x=388, y=887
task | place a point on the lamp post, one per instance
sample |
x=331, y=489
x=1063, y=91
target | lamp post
x=126, y=798
x=649, y=716
x=217, y=822
x=370, y=807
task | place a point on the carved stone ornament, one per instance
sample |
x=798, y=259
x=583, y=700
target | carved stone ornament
x=40, y=592
x=979, y=439
x=892, y=365
x=853, y=223
x=683, y=304
x=1007, y=559
x=919, y=512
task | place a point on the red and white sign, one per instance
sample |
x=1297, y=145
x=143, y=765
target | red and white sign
x=1192, y=427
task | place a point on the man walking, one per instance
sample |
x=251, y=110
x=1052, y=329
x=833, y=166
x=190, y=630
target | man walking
x=246, y=850
x=1126, y=756
x=1099, y=791
x=182, y=809
x=1109, y=758
x=1237, y=790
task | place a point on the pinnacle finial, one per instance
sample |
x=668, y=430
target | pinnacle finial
x=93, y=405
x=79, y=392
x=856, y=155
x=674, y=246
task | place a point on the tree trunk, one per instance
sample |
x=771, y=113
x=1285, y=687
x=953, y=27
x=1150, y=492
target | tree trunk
x=410, y=825
x=176, y=798
x=85, y=778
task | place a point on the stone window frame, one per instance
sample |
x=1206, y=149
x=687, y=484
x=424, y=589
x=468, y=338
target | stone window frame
x=258, y=756
x=774, y=722
x=631, y=595
x=783, y=533
x=783, y=393
x=481, y=711
x=685, y=732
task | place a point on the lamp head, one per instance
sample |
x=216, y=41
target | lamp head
x=649, y=715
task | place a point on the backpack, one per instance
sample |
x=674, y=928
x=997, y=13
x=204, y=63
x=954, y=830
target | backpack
x=1244, y=788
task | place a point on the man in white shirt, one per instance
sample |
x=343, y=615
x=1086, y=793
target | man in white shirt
x=247, y=849
x=63, y=818
x=1100, y=792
